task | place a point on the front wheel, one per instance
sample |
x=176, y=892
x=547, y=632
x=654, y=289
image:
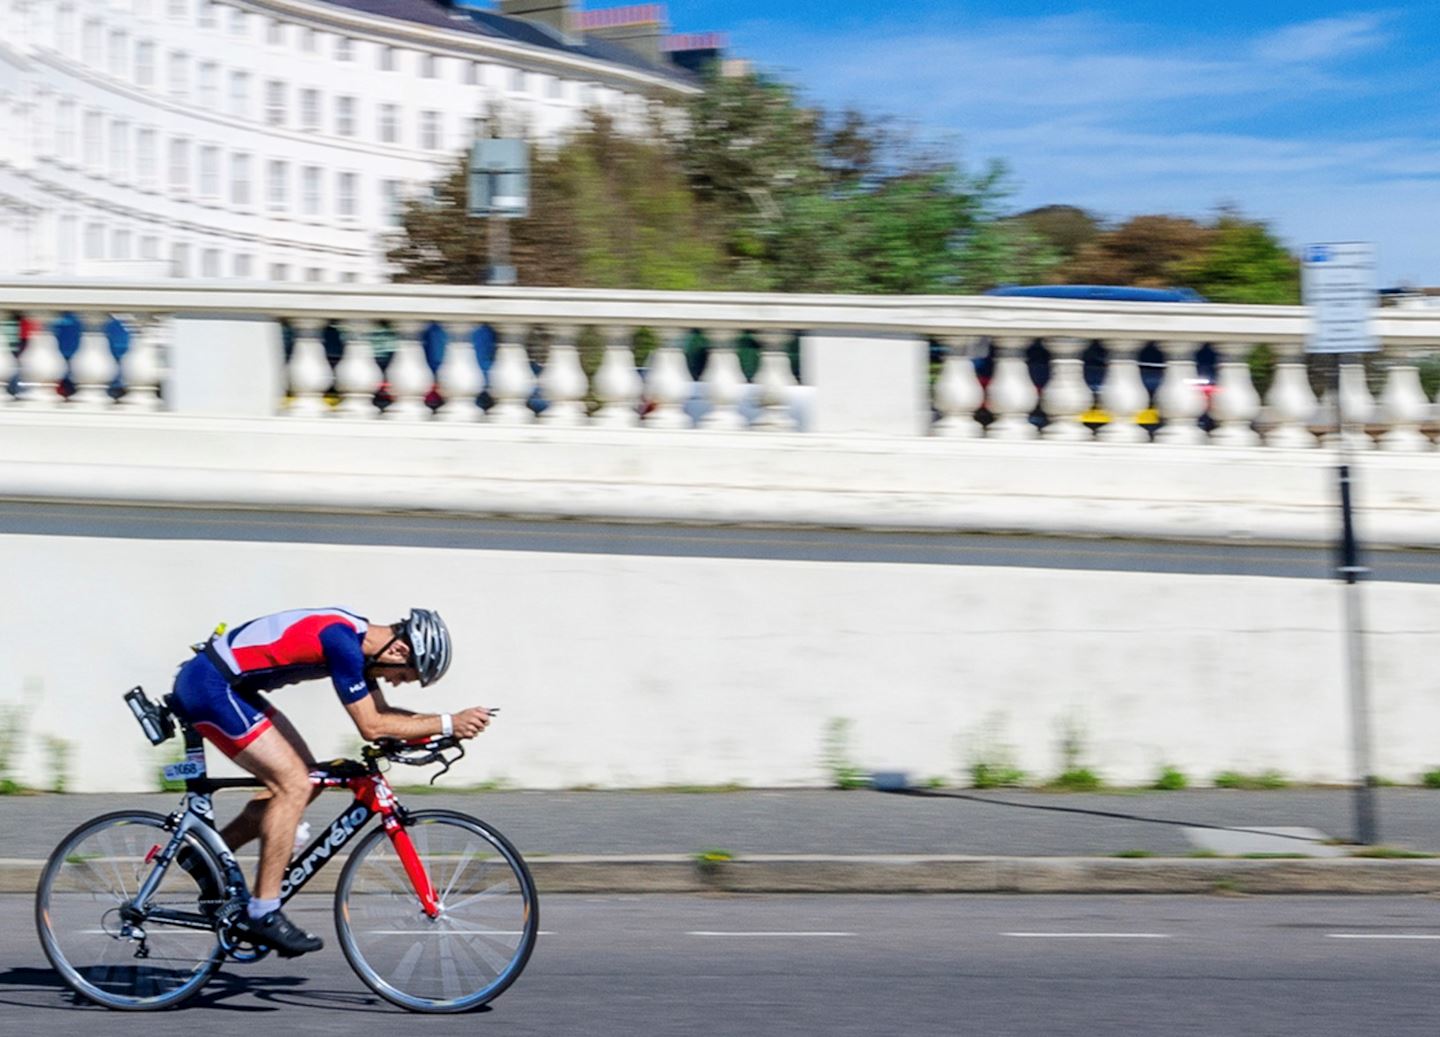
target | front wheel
x=478, y=943
x=106, y=946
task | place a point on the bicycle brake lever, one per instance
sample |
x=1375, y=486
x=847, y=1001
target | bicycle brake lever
x=447, y=761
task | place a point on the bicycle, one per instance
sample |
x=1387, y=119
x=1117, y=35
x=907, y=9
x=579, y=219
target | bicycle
x=435, y=910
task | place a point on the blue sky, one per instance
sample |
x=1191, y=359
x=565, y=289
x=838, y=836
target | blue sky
x=1321, y=118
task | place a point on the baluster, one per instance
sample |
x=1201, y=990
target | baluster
x=142, y=366
x=1123, y=395
x=1357, y=408
x=1180, y=398
x=1404, y=406
x=409, y=375
x=668, y=384
x=309, y=375
x=41, y=367
x=725, y=384
x=617, y=383
x=1066, y=395
x=562, y=380
x=459, y=377
x=958, y=393
x=358, y=375
x=8, y=365
x=1012, y=396
x=511, y=380
x=776, y=381
x=1291, y=402
x=93, y=367
x=1235, y=404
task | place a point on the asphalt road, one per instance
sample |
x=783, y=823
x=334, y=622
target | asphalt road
x=835, y=965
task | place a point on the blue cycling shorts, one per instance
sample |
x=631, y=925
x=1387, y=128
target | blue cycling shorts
x=230, y=719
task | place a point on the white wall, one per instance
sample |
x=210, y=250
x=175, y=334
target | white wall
x=638, y=670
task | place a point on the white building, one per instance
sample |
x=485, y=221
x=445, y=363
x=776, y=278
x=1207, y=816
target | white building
x=270, y=139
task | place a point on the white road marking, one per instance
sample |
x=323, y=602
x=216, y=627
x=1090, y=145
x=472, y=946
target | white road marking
x=453, y=932
x=1383, y=936
x=1091, y=936
x=713, y=932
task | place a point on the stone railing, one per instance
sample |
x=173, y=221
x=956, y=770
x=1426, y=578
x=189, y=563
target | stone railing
x=569, y=357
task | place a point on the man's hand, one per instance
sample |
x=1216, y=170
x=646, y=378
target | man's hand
x=470, y=722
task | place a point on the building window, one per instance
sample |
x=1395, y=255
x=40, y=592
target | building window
x=208, y=85
x=210, y=263
x=91, y=41
x=180, y=164
x=309, y=40
x=344, y=48
x=179, y=76
x=94, y=241
x=430, y=131
x=210, y=171
x=391, y=201
x=120, y=245
x=309, y=109
x=345, y=116
x=555, y=88
x=310, y=191
x=239, y=179
x=239, y=22
x=279, y=271
x=274, y=35
x=240, y=94
x=65, y=130
x=429, y=66
x=275, y=103
x=205, y=14
x=65, y=29
x=278, y=178
x=94, y=139
x=314, y=273
x=389, y=124
x=387, y=59
x=180, y=260
x=472, y=73
x=517, y=81
x=119, y=44
x=242, y=265
x=120, y=149
x=145, y=157
x=149, y=247
x=144, y=63
x=345, y=194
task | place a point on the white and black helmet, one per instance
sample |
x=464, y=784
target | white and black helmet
x=429, y=639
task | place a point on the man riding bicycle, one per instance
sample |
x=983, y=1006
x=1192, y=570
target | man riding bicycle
x=219, y=692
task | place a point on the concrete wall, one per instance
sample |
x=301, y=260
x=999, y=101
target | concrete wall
x=658, y=666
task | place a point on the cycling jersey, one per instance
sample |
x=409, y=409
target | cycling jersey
x=298, y=645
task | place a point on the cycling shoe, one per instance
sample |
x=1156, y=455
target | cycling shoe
x=280, y=934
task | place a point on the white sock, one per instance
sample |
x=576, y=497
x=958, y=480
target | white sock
x=258, y=909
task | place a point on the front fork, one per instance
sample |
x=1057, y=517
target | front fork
x=414, y=867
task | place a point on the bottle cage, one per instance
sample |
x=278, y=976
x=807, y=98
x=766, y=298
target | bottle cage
x=155, y=720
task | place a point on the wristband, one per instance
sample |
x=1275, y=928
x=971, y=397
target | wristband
x=447, y=725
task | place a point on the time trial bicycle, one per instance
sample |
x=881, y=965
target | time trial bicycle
x=435, y=910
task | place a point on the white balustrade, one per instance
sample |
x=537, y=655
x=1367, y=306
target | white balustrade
x=1236, y=404
x=1404, y=406
x=668, y=385
x=409, y=376
x=358, y=375
x=1066, y=397
x=958, y=392
x=724, y=383
x=41, y=366
x=1012, y=395
x=512, y=382
x=1357, y=409
x=1123, y=395
x=563, y=384
x=142, y=367
x=459, y=377
x=776, y=382
x=617, y=383
x=1180, y=399
x=92, y=368
x=1291, y=402
x=309, y=372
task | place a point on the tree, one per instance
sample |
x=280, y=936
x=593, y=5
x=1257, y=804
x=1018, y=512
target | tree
x=1065, y=228
x=1142, y=252
x=1243, y=263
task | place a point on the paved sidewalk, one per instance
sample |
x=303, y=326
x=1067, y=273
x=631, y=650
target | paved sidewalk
x=1011, y=823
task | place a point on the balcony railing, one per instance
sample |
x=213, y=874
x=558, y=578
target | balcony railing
x=729, y=361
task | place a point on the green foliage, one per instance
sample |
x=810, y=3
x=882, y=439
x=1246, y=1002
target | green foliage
x=1065, y=228
x=1270, y=779
x=1076, y=779
x=994, y=775
x=1133, y=853
x=1431, y=779
x=1242, y=263
x=59, y=752
x=1390, y=853
x=13, y=719
x=836, y=755
x=1170, y=779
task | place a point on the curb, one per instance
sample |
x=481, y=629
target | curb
x=817, y=873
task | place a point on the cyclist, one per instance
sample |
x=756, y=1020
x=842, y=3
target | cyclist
x=219, y=692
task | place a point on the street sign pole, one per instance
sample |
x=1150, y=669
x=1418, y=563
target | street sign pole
x=498, y=190
x=1339, y=286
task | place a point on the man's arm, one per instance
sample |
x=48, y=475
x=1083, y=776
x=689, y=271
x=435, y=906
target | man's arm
x=373, y=723
x=384, y=707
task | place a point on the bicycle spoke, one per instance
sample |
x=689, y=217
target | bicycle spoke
x=465, y=860
x=497, y=890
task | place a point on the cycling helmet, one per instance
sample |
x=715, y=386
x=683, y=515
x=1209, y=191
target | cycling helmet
x=429, y=639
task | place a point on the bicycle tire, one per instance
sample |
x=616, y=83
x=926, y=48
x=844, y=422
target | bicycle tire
x=70, y=878
x=372, y=888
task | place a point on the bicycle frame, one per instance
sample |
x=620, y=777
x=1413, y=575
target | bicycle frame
x=373, y=796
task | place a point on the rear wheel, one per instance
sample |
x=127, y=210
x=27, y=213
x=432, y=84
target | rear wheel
x=106, y=947
x=477, y=945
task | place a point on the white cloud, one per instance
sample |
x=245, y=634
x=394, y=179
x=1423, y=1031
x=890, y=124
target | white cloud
x=1322, y=40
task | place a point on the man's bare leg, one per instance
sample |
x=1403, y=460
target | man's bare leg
x=244, y=828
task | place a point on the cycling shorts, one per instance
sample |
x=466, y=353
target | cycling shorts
x=230, y=719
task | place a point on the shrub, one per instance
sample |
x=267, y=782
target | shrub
x=985, y=774
x=1077, y=779
x=844, y=773
x=1170, y=779
x=1431, y=779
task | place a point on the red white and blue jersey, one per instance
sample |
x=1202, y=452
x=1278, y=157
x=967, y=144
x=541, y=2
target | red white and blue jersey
x=298, y=645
